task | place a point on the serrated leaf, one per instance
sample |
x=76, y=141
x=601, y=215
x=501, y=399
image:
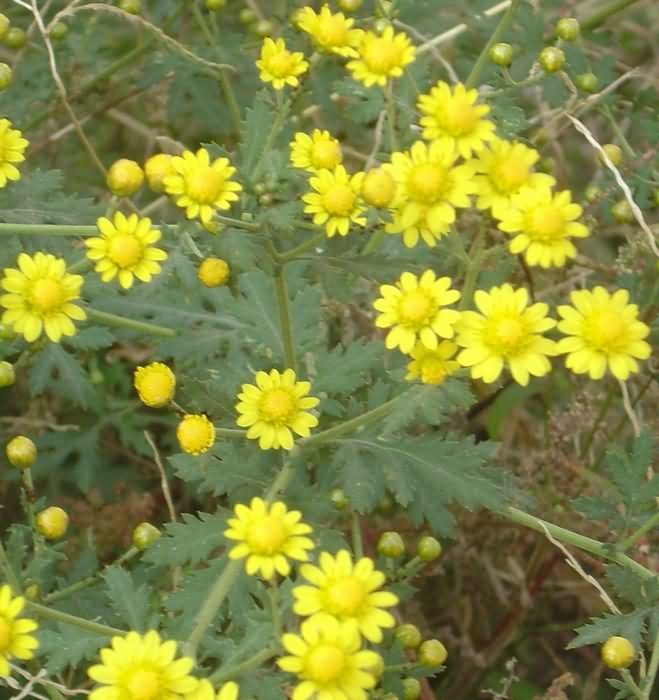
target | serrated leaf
x=128, y=599
x=56, y=370
x=255, y=132
x=631, y=626
x=68, y=647
x=638, y=591
x=343, y=369
x=92, y=338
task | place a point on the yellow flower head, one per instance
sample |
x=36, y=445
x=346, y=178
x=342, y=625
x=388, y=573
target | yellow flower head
x=280, y=66
x=336, y=201
x=16, y=642
x=328, y=659
x=316, y=152
x=415, y=309
x=430, y=186
x=157, y=168
x=40, y=297
x=347, y=591
x=604, y=332
x=506, y=332
x=268, y=535
x=451, y=115
x=201, y=186
x=381, y=57
x=125, y=250
x=543, y=223
x=195, y=434
x=155, y=384
x=142, y=667
x=12, y=148
x=379, y=188
x=125, y=177
x=277, y=405
x=330, y=32
x=213, y=272
x=205, y=691
x=432, y=366
x=506, y=167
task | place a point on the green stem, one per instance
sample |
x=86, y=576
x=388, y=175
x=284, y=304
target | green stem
x=302, y=248
x=28, y=505
x=226, y=674
x=8, y=569
x=599, y=17
x=282, y=480
x=46, y=230
x=497, y=34
x=357, y=543
x=653, y=668
x=237, y=223
x=129, y=323
x=374, y=242
x=629, y=151
x=604, y=409
x=272, y=136
x=391, y=117
x=281, y=293
x=648, y=525
x=273, y=595
x=477, y=256
x=631, y=683
x=66, y=619
x=230, y=432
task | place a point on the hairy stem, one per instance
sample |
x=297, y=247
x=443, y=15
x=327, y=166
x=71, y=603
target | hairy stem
x=226, y=674
x=115, y=321
x=285, y=323
x=66, y=619
x=653, y=668
x=648, y=525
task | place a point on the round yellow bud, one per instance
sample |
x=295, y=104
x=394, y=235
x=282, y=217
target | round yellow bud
x=213, y=272
x=4, y=25
x=21, y=452
x=432, y=653
x=124, y=178
x=378, y=188
x=157, y=168
x=7, y=374
x=144, y=535
x=614, y=153
x=52, y=523
x=195, y=434
x=155, y=384
x=618, y=652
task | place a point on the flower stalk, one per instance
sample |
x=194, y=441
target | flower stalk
x=115, y=321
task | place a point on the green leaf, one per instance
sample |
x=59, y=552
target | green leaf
x=68, y=647
x=56, y=370
x=344, y=369
x=599, y=629
x=638, y=591
x=128, y=599
x=255, y=132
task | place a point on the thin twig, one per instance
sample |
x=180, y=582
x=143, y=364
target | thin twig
x=163, y=477
x=629, y=410
x=377, y=140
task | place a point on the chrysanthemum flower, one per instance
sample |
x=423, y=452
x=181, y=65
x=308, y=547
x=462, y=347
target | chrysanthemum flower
x=604, y=332
x=381, y=57
x=195, y=434
x=142, y=667
x=327, y=658
x=415, y=307
x=430, y=186
x=12, y=148
x=506, y=332
x=280, y=66
x=543, y=223
x=506, y=167
x=40, y=297
x=125, y=249
x=432, y=366
x=329, y=31
x=452, y=116
x=379, y=188
x=155, y=384
x=336, y=201
x=277, y=405
x=347, y=591
x=201, y=186
x=316, y=152
x=268, y=535
x=16, y=642
x=205, y=691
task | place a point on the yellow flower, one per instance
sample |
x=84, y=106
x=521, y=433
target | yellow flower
x=414, y=307
x=205, y=691
x=142, y=667
x=506, y=167
x=155, y=384
x=40, y=297
x=16, y=642
x=195, y=434
x=604, y=332
x=430, y=186
x=277, y=405
x=280, y=66
x=543, y=223
x=336, y=202
x=124, y=178
x=330, y=32
x=507, y=332
x=12, y=148
x=316, y=152
x=452, y=116
x=328, y=659
x=379, y=188
x=201, y=186
x=157, y=168
x=432, y=366
x=381, y=56
x=213, y=272
x=124, y=249
x=268, y=535
x=347, y=591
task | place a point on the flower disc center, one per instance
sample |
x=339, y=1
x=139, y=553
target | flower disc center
x=204, y=185
x=605, y=331
x=415, y=307
x=280, y=64
x=47, y=295
x=380, y=55
x=346, y=596
x=339, y=200
x=510, y=174
x=458, y=117
x=546, y=222
x=125, y=250
x=507, y=335
x=143, y=685
x=325, y=663
x=277, y=405
x=325, y=154
x=427, y=182
x=267, y=535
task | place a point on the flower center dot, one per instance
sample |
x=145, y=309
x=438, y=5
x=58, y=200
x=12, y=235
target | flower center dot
x=204, y=185
x=546, y=222
x=325, y=663
x=331, y=32
x=415, y=307
x=507, y=335
x=143, y=685
x=47, y=295
x=340, y=200
x=433, y=371
x=458, y=117
x=277, y=405
x=125, y=251
x=380, y=55
x=157, y=387
x=345, y=596
x=325, y=154
x=605, y=331
x=5, y=634
x=509, y=175
x=266, y=536
x=427, y=182
x=280, y=64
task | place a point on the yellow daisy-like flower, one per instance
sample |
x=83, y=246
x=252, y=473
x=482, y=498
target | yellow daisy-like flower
x=604, y=332
x=328, y=659
x=415, y=308
x=280, y=66
x=330, y=32
x=336, y=202
x=201, y=186
x=451, y=115
x=195, y=434
x=506, y=167
x=543, y=223
x=124, y=250
x=40, y=297
x=12, y=149
x=205, y=691
x=142, y=667
x=381, y=57
x=320, y=151
x=276, y=408
x=268, y=535
x=16, y=642
x=430, y=186
x=155, y=384
x=347, y=591
x=506, y=332
x=432, y=366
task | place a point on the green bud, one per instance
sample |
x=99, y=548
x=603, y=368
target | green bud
x=588, y=82
x=247, y=16
x=411, y=688
x=428, y=549
x=614, y=153
x=6, y=76
x=132, y=7
x=339, y=499
x=214, y=5
x=263, y=28
x=391, y=545
x=7, y=374
x=15, y=38
x=408, y=635
x=501, y=54
x=551, y=59
x=58, y=31
x=593, y=193
x=432, y=653
x=145, y=535
x=622, y=212
x=21, y=452
x=568, y=29
x=4, y=25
